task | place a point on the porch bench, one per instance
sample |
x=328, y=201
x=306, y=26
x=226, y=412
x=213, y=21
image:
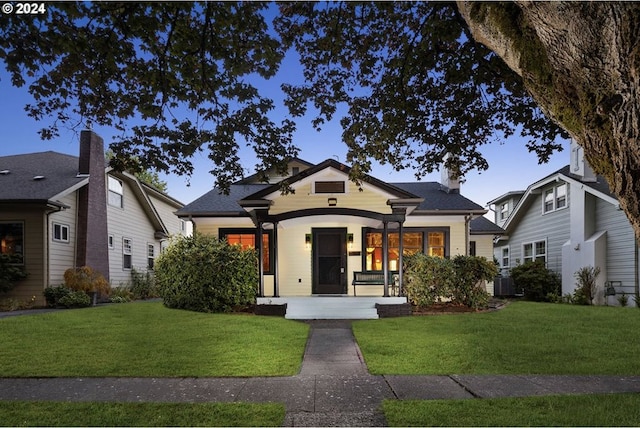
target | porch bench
x=373, y=278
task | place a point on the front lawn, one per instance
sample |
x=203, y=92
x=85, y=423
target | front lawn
x=572, y=410
x=149, y=340
x=48, y=413
x=522, y=338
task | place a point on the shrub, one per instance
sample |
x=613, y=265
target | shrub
x=53, y=294
x=586, y=290
x=142, y=284
x=471, y=273
x=202, y=273
x=10, y=272
x=536, y=281
x=86, y=279
x=120, y=295
x=75, y=299
x=427, y=280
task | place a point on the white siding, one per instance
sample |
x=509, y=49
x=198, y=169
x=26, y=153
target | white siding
x=621, y=263
x=553, y=228
x=62, y=255
x=129, y=222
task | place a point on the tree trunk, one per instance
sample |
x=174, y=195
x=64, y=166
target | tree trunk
x=581, y=63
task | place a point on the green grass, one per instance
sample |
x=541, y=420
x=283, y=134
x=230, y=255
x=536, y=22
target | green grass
x=48, y=413
x=574, y=410
x=523, y=338
x=149, y=340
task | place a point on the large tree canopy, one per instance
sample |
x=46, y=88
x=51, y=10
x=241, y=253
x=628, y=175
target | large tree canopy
x=415, y=80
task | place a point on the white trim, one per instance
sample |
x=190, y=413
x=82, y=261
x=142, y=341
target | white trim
x=62, y=227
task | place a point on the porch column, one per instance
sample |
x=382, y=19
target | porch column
x=260, y=266
x=274, y=246
x=385, y=257
x=400, y=257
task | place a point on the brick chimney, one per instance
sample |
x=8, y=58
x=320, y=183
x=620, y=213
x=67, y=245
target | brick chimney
x=92, y=236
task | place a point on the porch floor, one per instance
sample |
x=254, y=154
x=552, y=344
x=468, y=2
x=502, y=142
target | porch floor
x=331, y=307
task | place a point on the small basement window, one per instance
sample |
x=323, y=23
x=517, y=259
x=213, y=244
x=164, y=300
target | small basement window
x=329, y=187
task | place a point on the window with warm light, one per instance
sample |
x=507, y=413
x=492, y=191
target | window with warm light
x=12, y=240
x=247, y=238
x=412, y=242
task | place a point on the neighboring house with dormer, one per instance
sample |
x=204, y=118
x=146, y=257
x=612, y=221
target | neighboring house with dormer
x=315, y=239
x=569, y=219
x=59, y=211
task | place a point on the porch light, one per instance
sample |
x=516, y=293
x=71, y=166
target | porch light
x=307, y=240
x=332, y=202
x=350, y=240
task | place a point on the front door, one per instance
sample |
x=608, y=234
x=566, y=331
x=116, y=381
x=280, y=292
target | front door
x=329, y=250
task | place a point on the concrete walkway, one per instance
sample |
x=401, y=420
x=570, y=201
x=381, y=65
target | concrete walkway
x=333, y=387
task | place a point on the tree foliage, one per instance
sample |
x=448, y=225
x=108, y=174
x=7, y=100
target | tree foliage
x=181, y=70
x=415, y=83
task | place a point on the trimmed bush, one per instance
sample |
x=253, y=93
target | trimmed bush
x=75, y=299
x=202, y=273
x=53, y=294
x=427, y=280
x=471, y=273
x=536, y=281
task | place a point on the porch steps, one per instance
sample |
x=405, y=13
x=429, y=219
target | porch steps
x=330, y=307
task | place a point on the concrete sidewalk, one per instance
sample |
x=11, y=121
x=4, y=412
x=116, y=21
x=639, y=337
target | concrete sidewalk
x=333, y=387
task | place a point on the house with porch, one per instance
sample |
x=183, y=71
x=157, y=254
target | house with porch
x=317, y=242
x=569, y=220
x=59, y=211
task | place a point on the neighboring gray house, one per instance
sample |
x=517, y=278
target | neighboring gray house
x=59, y=211
x=569, y=219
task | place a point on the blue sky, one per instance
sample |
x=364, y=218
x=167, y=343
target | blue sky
x=512, y=167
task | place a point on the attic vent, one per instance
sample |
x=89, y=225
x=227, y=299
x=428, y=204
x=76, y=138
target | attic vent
x=38, y=177
x=329, y=187
x=5, y=172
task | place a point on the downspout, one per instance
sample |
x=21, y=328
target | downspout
x=467, y=221
x=636, y=280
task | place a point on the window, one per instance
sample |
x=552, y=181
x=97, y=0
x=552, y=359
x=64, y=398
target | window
x=472, y=248
x=111, y=244
x=504, y=258
x=555, y=198
x=329, y=187
x=116, y=192
x=151, y=256
x=412, y=242
x=60, y=232
x=295, y=170
x=127, y=253
x=504, y=210
x=247, y=239
x=533, y=251
x=12, y=240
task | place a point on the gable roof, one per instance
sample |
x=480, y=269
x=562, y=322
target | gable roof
x=598, y=188
x=332, y=163
x=433, y=197
x=59, y=172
